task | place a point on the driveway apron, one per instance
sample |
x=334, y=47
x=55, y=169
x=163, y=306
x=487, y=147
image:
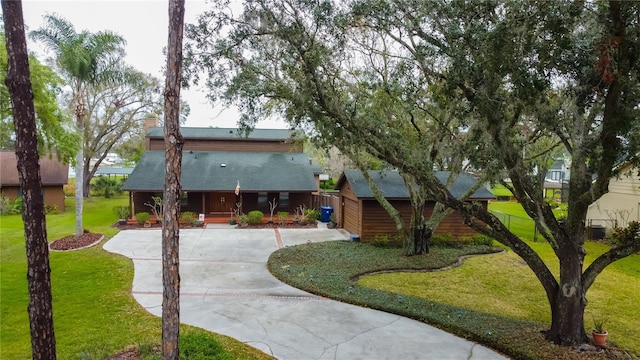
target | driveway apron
x=226, y=288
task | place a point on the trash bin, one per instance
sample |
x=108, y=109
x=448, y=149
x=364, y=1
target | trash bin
x=325, y=213
x=596, y=232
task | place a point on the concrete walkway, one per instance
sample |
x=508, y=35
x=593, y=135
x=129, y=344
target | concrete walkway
x=226, y=288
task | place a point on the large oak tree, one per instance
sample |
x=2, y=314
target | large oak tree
x=545, y=76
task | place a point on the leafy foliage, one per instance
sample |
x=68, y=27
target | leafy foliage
x=187, y=217
x=142, y=217
x=254, y=217
x=505, y=87
x=54, y=125
x=107, y=187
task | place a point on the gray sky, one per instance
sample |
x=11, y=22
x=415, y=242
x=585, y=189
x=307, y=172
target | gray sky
x=144, y=25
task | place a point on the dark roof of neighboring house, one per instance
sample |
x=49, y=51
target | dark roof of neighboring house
x=204, y=171
x=228, y=133
x=392, y=186
x=52, y=172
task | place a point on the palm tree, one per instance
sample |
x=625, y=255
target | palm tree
x=85, y=59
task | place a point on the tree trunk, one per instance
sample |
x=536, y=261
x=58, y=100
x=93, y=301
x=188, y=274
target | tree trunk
x=43, y=343
x=567, y=308
x=173, y=164
x=79, y=192
x=86, y=178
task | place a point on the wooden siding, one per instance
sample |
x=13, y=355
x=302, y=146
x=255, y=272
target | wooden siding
x=621, y=204
x=53, y=195
x=240, y=145
x=350, y=216
x=376, y=221
x=297, y=199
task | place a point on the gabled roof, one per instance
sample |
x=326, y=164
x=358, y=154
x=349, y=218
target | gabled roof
x=392, y=186
x=228, y=133
x=52, y=172
x=221, y=171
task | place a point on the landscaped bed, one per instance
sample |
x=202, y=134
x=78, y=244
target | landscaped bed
x=330, y=269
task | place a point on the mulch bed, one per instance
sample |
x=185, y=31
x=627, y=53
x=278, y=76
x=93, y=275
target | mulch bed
x=72, y=242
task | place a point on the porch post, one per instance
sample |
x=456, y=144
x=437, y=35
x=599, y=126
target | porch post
x=203, y=204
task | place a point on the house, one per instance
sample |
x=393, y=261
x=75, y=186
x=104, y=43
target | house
x=222, y=168
x=361, y=213
x=621, y=204
x=53, y=174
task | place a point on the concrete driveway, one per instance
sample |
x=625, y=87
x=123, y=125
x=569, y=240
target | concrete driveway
x=226, y=288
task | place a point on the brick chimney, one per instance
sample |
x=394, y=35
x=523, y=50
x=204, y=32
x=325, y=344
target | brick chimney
x=149, y=122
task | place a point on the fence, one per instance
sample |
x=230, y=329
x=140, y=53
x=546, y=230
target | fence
x=520, y=226
x=321, y=199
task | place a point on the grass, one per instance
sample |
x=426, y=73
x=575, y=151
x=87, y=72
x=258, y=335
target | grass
x=94, y=314
x=518, y=294
x=493, y=299
x=330, y=269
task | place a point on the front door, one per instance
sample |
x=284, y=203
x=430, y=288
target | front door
x=222, y=202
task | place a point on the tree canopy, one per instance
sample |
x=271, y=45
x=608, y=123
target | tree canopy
x=417, y=84
x=54, y=126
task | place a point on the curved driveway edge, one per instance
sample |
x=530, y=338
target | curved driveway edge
x=226, y=288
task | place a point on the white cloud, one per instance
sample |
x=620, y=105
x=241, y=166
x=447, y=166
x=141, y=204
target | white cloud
x=144, y=24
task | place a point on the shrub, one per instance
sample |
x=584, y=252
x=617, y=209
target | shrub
x=441, y=240
x=255, y=217
x=311, y=215
x=104, y=186
x=51, y=209
x=283, y=217
x=481, y=239
x=8, y=206
x=122, y=212
x=187, y=217
x=142, y=217
x=69, y=190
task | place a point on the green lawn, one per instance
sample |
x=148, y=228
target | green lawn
x=492, y=299
x=94, y=314
x=508, y=287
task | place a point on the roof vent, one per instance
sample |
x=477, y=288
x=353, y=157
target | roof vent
x=223, y=165
x=230, y=131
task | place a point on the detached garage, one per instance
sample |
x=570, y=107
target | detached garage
x=361, y=213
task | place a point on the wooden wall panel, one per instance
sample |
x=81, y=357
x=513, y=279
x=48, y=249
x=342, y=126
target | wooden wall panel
x=54, y=195
x=350, y=216
x=376, y=221
x=297, y=199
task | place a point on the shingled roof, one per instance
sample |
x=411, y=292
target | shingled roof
x=220, y=171
x=228, y=133
x=392, y=186
x=52, y=172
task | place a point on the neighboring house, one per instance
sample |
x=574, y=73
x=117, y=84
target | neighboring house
x=621, y=204
x=54, y=175
x=266, y=164
x=361, y=213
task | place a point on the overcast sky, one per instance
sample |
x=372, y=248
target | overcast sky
x=144, y=25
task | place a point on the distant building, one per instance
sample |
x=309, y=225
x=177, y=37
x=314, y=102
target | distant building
x=221, y=168
x=54, y=175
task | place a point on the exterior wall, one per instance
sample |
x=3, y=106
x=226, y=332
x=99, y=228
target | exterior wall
x=229, y=145
x=53, y=195
x=297, y=199
x=249, y=202
x=10, y=191
x=376, y=221
x=620, y=205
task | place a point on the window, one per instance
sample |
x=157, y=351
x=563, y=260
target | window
x=184, y=199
